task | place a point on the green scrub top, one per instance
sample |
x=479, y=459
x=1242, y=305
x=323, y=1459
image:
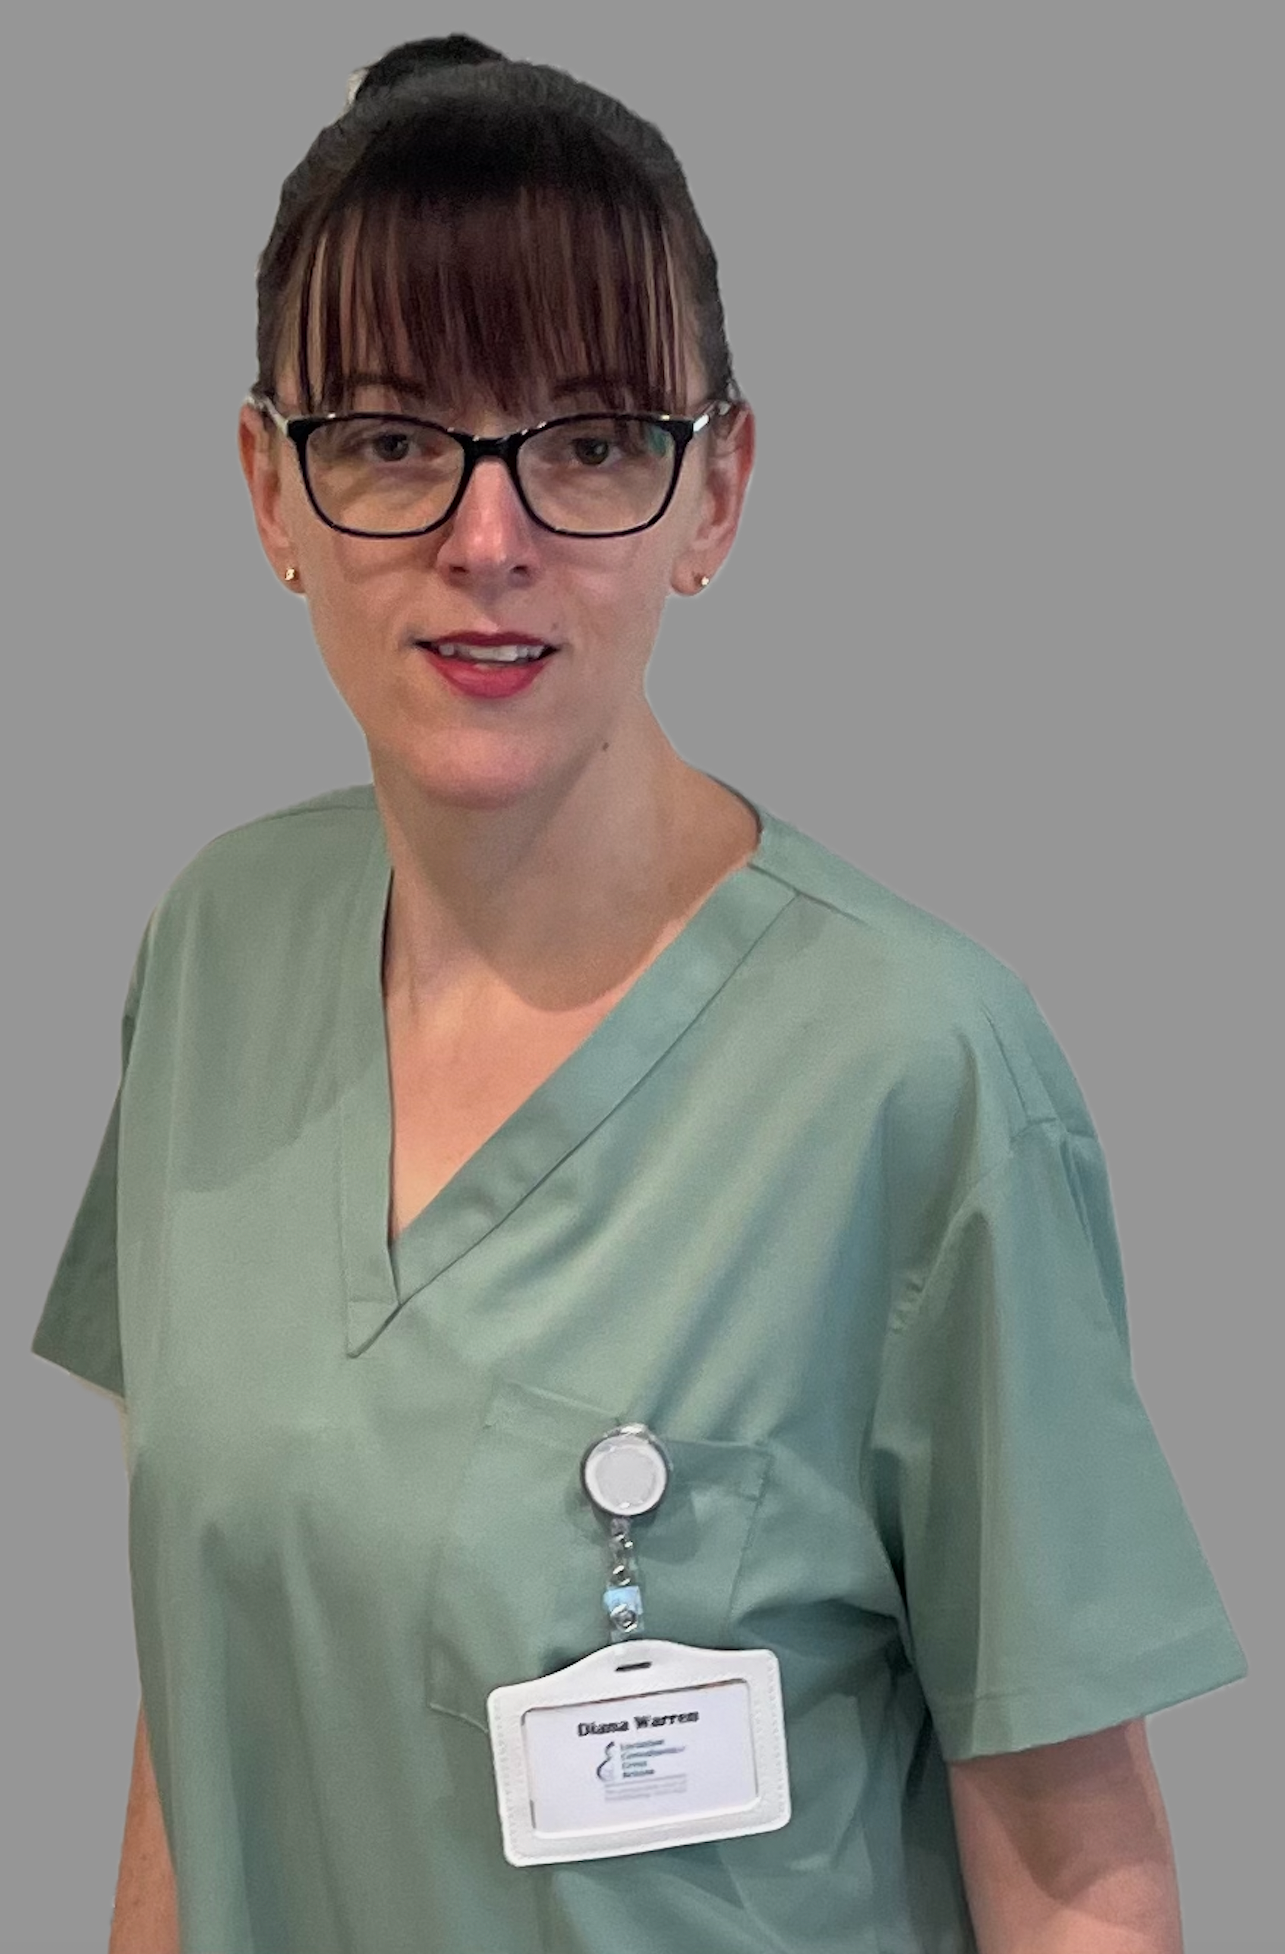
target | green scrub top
x=818, y=1201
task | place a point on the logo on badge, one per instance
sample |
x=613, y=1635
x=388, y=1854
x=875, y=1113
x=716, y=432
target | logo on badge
x=609, y=1769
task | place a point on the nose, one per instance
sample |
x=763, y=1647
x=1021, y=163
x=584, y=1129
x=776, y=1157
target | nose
x=490, y=532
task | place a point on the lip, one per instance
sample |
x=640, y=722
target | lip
x=483, y=638
x=490, y=681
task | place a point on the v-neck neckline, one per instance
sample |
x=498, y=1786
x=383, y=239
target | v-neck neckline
x=563, y=1110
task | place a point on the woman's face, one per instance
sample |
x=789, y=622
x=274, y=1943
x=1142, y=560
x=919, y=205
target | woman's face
x=491, y=569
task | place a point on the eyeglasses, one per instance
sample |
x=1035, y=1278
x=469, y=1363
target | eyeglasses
x=388, y=475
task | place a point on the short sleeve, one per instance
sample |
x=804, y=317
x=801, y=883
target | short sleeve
x=1053, y=1582
x=79, y=1328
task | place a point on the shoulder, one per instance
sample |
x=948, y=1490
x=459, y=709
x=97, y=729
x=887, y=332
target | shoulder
x=870, y=920
x=330, y=830
x=946, y=1022
x=267, y=886
x=280, y=859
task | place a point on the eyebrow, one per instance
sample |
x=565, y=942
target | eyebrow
x=405, y=388
x=591, y=383
x=396, y=383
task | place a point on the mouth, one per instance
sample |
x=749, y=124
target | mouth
x=487, y=669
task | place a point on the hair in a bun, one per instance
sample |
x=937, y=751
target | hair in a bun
x=416, y=57
x=492, y=228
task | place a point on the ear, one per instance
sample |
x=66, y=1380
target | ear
x=728, y=463
x=263, y=456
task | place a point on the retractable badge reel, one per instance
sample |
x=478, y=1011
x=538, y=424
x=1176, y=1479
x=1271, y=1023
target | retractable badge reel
x=625, y=1475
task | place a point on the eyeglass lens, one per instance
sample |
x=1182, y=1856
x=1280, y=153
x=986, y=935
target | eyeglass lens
x=394, y=475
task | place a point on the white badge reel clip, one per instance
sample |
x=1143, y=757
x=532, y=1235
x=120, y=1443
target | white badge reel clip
x=625, y=1476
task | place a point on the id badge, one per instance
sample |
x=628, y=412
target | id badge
x=636, y=1747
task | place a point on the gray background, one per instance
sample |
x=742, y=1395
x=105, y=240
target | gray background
x=1001, y=624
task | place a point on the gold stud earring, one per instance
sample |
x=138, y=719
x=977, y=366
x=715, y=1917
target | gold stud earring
x=292, y=575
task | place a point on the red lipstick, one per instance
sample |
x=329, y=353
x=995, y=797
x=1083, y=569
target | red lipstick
x=482, y=678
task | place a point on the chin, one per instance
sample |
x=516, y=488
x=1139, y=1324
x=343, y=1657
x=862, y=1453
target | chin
x=482, y=783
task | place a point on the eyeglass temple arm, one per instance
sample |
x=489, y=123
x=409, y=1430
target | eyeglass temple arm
x=269, y=407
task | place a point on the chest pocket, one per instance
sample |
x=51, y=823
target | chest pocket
x=517, y=1585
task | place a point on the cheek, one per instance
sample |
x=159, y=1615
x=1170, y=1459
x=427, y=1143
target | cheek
x=351, y=579
x=625, y=591
x=356, y=608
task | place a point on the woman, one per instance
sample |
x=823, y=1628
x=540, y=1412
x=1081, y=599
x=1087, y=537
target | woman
x=546, y=1087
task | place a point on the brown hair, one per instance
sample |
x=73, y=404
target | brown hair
x=492, y=224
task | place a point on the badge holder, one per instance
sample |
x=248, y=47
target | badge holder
x=647, y=1743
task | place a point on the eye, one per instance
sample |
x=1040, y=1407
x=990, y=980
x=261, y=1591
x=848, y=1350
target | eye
x=388, y=444
x=592, y=449
x=595, y=445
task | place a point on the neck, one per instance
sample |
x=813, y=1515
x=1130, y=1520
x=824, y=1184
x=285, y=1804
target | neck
x=559, y=897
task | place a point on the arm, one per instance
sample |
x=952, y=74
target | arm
x=145, y=1919
x=1066, y=1850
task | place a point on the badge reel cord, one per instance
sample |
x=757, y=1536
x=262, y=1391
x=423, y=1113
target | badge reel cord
x=625, y=1475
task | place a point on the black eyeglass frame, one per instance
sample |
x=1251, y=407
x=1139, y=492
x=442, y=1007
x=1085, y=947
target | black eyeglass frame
x=299, y=428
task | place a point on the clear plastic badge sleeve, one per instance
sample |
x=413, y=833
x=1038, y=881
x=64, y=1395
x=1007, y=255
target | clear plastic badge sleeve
x=640, y=1746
